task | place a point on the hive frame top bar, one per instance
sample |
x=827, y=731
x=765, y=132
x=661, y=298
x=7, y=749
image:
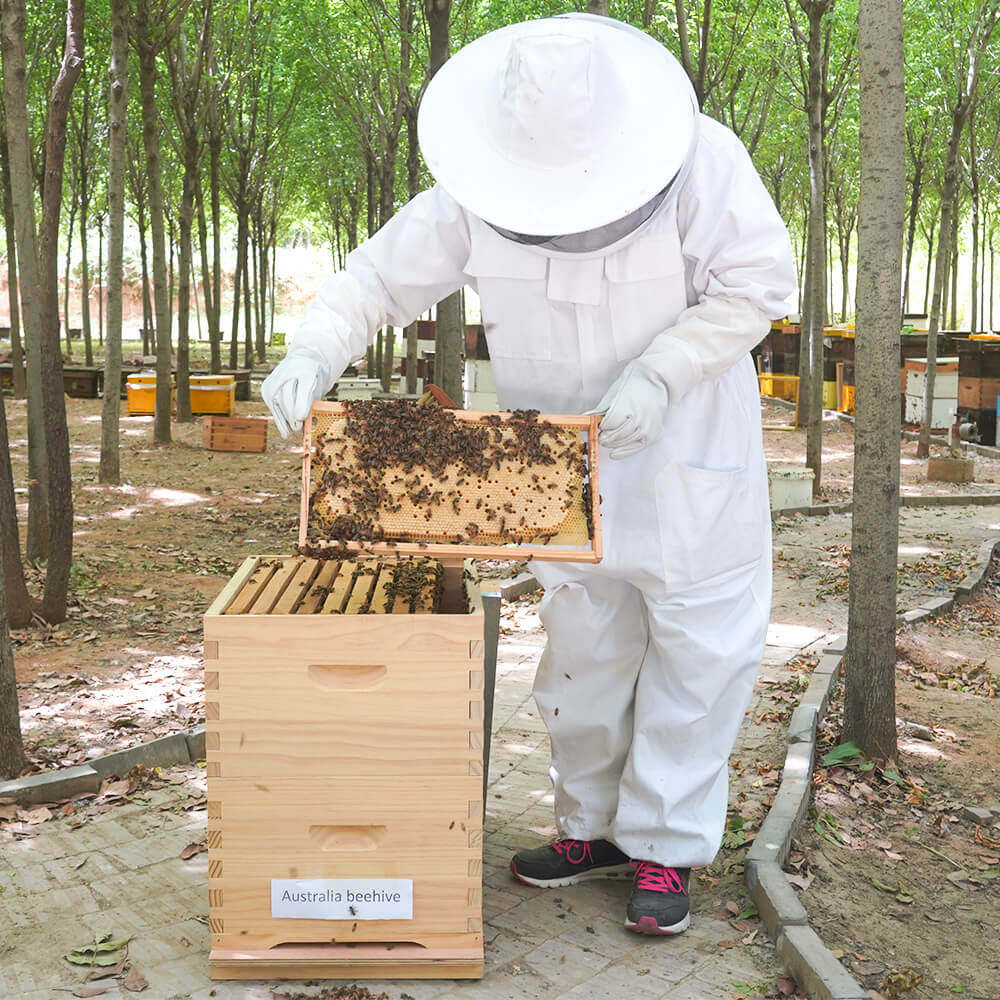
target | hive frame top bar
x=591, y=554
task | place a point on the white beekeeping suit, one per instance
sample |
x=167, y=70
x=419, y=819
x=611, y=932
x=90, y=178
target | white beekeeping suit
x=627, y=258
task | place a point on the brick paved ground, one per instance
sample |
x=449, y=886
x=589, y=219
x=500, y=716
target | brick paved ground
x=121, y=873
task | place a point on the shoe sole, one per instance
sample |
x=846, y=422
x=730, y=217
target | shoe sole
x=608, y=871
x=648, y=925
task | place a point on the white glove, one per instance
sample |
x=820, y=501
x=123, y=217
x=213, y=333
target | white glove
x=292, y=388
x=633, y=411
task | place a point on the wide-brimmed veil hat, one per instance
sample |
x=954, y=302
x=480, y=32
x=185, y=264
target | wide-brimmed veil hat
x=557, y=125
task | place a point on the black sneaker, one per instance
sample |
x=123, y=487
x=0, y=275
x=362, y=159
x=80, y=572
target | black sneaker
x=567, y=862
x=659, y=901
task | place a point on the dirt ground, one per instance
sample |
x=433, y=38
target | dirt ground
x=152, y=553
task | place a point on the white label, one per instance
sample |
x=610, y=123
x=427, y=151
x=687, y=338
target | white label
x=342, y=898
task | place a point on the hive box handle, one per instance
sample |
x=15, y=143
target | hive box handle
x=347, y=677
x=346, y=838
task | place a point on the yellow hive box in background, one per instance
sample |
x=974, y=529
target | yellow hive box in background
x=140, y=391
x=213, y=394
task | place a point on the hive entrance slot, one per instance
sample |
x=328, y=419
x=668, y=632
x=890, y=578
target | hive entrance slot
x=347, y=838
x=347, y=677
x=321, y=949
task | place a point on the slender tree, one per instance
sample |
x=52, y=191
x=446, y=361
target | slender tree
x=870, y=702
x=110, y=467
x=154, y=23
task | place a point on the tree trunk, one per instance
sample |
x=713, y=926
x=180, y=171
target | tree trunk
x=870, y=700
x=147, y=296
x=67, y=281
x=247, y=304
x=100, y=279
x=215, y=325
x=208, y=286
x=19, y=604
x=241, y=240
x=151, y=144
x=88, y=346
x=16, y=349
x=941, y=263
x=388, y=358
x=184, y=263
x=30, y=286
x=930, y=269
x=814, y=312
x=60, y=484
x=449, y=337
x=110, y=470
x=11, y=742
x=953, y=325
x=916, y=188
x=85, y=196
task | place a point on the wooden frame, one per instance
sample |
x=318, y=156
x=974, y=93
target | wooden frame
x=549, y=553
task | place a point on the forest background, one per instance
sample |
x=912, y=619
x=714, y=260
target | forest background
x=259, y=125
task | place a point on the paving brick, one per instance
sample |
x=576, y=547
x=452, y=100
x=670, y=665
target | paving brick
x=563, y=962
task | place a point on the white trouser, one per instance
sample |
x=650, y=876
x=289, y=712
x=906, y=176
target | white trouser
x=647, y=674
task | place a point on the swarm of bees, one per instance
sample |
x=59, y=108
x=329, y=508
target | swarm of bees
x=388, y=470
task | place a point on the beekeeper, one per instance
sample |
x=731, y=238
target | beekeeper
x=627, y=258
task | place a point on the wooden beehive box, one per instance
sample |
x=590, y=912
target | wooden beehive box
x=344, y=708
x=344, y=690
x=219, y=433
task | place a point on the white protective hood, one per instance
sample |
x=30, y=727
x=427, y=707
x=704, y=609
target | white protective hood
x=558, y=125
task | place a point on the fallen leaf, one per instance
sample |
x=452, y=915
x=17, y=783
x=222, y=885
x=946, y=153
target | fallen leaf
x=89, y=990
x=786, y=987
x=192, y=849
x=35, y=816
x=135, y=981
x=801, y=881
x=8, y=812
x=725, y=943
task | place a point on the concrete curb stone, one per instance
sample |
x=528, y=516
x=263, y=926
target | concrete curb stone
x=814, y=966
x=51, y=786
x=778, y=906
x=163, y=752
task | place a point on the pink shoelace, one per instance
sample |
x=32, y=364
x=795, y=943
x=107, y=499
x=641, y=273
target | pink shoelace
x=657, y=878
x=576, y=851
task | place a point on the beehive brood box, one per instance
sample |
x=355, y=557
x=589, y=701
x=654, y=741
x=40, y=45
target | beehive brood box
x=344, y=706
